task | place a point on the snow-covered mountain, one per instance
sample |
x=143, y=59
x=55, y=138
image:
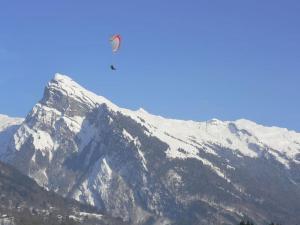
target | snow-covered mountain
x=8, y=127
x=148, y=169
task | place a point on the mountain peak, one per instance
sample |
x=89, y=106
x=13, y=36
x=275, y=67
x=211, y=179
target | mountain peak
x=61, y=78
x=63, y=89
x=65, y=83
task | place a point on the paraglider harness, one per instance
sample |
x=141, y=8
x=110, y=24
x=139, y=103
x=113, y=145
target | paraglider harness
x=112, y=67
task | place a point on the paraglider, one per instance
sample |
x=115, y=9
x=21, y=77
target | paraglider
x=115, y=41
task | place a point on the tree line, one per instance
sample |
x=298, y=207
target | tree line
x=243, y=222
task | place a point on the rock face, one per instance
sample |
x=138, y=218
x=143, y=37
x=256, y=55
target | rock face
x=151, y=170
x=24, y=202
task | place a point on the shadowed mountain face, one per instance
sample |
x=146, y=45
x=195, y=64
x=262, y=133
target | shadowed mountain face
x=23, y=201
x=150, y=170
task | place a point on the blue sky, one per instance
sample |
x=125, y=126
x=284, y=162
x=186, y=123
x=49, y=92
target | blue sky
x=187, y=59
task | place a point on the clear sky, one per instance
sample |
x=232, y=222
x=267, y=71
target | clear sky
x=188, y=59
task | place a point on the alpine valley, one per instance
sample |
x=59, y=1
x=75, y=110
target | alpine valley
x=146, y=169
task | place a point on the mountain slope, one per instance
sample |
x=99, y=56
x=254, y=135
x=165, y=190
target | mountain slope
x=24, y=202
x=8, y=127
x=148, y=169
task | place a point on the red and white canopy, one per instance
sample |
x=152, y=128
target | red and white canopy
x=115, y=42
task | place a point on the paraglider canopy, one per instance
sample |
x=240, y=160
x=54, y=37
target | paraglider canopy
x=115, y=41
